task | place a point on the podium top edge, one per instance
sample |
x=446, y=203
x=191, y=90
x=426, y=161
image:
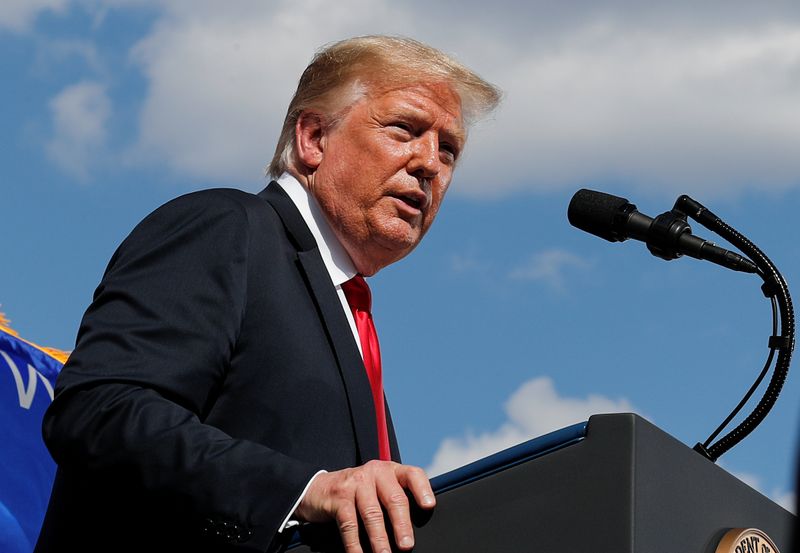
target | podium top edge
x=510, y=457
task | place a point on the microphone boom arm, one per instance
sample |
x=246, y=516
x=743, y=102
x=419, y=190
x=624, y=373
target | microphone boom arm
x=774, y=288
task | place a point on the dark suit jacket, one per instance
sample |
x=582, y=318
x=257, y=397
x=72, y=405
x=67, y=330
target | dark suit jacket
x=214, y=374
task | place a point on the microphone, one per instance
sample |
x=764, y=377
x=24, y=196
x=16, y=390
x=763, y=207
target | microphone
x=668, y=236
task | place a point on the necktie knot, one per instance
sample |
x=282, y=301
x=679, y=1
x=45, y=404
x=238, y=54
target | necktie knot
x=357, y=293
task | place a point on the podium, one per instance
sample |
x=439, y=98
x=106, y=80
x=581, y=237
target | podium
x=616, y=484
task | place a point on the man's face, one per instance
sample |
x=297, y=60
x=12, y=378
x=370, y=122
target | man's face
x=384, y=170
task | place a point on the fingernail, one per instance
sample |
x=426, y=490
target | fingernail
x=427, y=499
x=406, y=542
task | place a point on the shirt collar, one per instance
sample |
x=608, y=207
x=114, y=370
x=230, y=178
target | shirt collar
x=339, y=265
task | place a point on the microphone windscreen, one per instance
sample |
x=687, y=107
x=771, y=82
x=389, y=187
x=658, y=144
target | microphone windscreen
x=598, y=213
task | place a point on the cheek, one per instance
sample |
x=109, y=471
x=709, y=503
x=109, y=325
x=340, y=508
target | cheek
x=436, y=202
x=438, y=191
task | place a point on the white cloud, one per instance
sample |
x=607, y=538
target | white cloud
x=787, y=500
x=19, y=15
x=549, y=267
x=671, y=98
x=534, y=409
x=784, y=498
x=669, y=110
x=221, y=75
x=80, y=113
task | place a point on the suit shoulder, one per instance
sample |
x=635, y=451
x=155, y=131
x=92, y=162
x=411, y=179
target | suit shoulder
x=225, y=206
x=224, y=218
x=216, y=200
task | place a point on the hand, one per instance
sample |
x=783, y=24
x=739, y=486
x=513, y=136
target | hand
x=345, y=495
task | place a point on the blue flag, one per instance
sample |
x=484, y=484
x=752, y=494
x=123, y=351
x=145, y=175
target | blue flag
x=27, y=378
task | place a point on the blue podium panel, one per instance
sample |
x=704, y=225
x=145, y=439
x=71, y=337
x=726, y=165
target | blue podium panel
x=508, y=458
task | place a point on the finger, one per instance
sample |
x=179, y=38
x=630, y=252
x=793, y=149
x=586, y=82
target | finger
x=394, y=499
x=416, y=481
x=347, y=521
x=369, y=508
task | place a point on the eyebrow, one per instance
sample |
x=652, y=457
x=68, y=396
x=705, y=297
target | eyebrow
x=457, y=134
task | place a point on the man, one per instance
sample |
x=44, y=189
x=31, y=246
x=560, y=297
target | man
x=217, y=374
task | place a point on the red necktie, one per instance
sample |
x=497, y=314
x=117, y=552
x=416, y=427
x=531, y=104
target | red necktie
x=358, y=296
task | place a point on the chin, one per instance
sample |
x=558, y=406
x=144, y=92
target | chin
x=388, y=251
x=401, y=234
x=400, y=244
x=390, y=242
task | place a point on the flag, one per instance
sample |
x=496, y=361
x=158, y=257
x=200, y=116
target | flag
x=27, y=377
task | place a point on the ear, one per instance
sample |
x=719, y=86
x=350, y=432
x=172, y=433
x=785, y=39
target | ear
x=309, y=139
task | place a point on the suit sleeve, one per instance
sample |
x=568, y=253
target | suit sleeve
x=152, y=352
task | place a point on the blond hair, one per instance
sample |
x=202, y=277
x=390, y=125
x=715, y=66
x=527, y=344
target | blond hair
x=343, y=72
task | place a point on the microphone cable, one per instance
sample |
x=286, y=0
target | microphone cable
x=752, y=389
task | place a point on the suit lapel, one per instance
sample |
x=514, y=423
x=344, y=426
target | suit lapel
x=351, y=366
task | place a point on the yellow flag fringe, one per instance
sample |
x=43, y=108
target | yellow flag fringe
x=59, y=355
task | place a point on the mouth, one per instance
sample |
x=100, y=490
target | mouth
x=416, y=200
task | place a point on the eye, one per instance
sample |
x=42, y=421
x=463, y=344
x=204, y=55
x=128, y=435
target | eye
x=403, y=127
x=448, y=152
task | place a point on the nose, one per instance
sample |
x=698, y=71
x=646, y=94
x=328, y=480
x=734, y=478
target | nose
x=424, y=162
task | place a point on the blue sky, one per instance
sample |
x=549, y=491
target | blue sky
x=506, y=322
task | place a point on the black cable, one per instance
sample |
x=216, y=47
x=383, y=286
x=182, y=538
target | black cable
x=755, y=385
